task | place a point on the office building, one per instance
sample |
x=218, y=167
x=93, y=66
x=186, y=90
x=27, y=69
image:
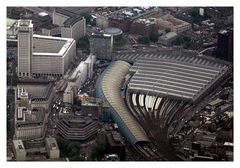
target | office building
x=19, y=150
x=68, y=95
x=124, y=17
x=25, y=47
x=52, y=55
x=29, y=123
x=101, y=45
x=37, y=93
x=76, y=127
x=72, y=24
x=52, y=148
x=42, y=55
x=74, y=27
x=61, y=14
x=225, y=45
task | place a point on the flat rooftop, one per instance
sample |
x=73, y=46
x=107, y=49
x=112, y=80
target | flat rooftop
x=32, y=118
x=36, y=90
x=24, y=23
x=71, y=21
x=50, y=46
x=73, y=11
x=52, y=143
x=174, y=21
x=18, y=145
x=172, y=75
x=132, y=12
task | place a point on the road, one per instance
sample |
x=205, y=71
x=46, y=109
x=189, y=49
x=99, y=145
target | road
x=206, y=49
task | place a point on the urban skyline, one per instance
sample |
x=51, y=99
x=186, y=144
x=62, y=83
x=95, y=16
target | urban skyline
x=120, y=83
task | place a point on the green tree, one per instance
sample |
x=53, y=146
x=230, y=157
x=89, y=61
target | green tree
x=97, y=153
x=143, y=40
x=69, y=149
x=83, y=43
x=167, y=30
x=196, y=17
x=120, y=43
x=181, y=39
x=154, y=37
x=89, y=19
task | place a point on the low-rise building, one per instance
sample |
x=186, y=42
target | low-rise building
x=115, y=144
x=38, y=93
x=52, y=148
x=215, y=103
x=176, y=25
x=167, y=39
x=83, y=72
x=124, y=17
x=143, y=26
x=19, y=150
x=29, y=123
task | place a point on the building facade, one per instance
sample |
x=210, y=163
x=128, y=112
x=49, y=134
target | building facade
x=167, y=39
x=80, y=75
x=42, y=55
x=225, y=45
x=52, y=148
x=29, y=123
x=19, y=150
x=68, y=95
x=101, y=45
x=74, y=28
x=25, y=47
x=176, y=25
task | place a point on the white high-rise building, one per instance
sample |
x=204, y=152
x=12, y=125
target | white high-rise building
x=25, y=47
x=42, y=55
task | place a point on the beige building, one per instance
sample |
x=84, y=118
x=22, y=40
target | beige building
x=74, y=27
x=72, y=24
x=59, y=18
x=176, y=25
x=42, y=55
x=52, y=148
x=25, y=47
x=29, y=123
x=68, y=95
x=168, y=38
x=30, y=110
x=102, y=20
x=56, y=58
x=19, y=150
x=39, y=94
